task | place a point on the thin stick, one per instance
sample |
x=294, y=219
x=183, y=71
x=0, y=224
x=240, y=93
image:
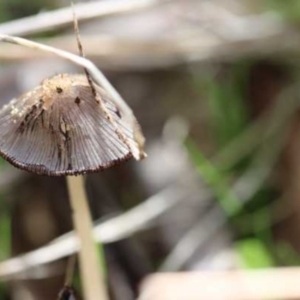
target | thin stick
x=89, y=263
x=81, y=53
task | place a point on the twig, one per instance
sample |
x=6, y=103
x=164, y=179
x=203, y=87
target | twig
x=137, y=148
x=93, y=282
x=112, y=230
x=265, y=284
x=62, y=17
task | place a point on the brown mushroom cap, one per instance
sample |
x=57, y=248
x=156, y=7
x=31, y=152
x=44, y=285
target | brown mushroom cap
x=59, y=128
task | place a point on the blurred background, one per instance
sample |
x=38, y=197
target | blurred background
x=215, y=87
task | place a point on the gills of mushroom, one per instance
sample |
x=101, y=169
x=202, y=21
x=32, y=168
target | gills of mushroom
x=62, y=128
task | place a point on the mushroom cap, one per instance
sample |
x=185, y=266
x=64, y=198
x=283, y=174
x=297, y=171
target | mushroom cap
x=61, y=128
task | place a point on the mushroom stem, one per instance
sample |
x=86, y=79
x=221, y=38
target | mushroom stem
x=89, y=263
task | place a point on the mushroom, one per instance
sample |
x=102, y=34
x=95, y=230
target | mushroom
x=60, y=128
x=69, y=125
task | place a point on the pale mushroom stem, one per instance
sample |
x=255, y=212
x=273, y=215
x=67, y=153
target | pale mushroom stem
x=92, y=280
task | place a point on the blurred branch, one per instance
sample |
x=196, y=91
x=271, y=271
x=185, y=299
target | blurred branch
x=124, y=52
x=61, y=17
x=234, y=285
x=223, y=36
x=112, y=230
